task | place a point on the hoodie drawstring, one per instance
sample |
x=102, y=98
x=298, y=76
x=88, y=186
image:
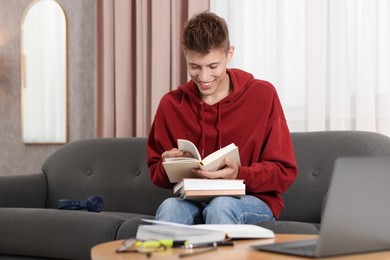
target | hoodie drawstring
x=203, y=130
x=218, y=126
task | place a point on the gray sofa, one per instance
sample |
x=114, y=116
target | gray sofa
x=32, y=227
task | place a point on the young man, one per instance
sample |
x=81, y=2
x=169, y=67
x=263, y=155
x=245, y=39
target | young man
x=219, y=106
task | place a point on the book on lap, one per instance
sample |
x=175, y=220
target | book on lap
x=206, y=189
x=208, y=195
x=180, y=167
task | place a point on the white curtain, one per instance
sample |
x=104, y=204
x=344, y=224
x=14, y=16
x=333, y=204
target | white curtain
x=328, y=59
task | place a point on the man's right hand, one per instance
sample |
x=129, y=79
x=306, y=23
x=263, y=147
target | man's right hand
x=176, y=153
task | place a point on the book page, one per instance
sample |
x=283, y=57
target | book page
x=177, y=170
x=181, y=159
x=179, y=167
x=183, y=233
x=239, y=231
x=188, y=146
x=215, y=161
x=162, y=222
x=232, y=230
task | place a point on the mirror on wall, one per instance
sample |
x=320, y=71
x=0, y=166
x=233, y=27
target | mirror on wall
x=44, y=73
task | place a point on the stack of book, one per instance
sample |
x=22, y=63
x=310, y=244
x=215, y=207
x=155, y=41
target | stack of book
x=190, y=186
x=206, y=189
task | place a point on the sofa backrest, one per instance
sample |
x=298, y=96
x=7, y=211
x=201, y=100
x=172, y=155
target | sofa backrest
x=113, y=168
x=316, y=153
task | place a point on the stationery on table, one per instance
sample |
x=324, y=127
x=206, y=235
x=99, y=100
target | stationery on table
x=180, y=167
x=135, y=243
x=149, y=247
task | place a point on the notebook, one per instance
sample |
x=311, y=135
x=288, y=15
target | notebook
x=356, y=215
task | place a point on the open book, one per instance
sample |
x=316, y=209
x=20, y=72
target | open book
x=202, y=233
x=180, y=167
x=206, y=189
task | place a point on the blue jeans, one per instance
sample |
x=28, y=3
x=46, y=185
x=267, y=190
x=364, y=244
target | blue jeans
x=221, y=210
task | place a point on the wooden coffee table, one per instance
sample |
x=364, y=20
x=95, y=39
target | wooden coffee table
x=241, y=250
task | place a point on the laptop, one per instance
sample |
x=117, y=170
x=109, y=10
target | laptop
x=356, y=215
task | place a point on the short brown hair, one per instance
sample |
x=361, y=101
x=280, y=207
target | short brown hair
x=204, y=32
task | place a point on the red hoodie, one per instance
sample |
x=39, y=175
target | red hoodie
x=251, y=117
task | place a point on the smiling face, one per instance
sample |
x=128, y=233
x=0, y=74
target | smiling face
x=208, y=71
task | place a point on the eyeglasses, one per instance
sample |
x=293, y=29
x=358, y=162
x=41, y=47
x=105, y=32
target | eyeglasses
x=144, y=247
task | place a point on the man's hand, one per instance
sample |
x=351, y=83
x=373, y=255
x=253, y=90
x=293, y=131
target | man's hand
x=176, y=153
x=230, y=171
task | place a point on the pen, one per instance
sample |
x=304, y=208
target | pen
x=214, y=244
x=198, y=252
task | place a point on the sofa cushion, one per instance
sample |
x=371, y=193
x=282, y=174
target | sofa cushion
x=18, y=257
x=23, y=191
x=55, y=233
x=129, y=228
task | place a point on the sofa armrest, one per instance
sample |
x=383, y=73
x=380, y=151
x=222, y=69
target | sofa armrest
x=23, y=191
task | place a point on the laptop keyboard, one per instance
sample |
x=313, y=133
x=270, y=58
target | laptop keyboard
x=303, y=249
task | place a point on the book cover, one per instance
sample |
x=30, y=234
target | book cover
x=179, y=168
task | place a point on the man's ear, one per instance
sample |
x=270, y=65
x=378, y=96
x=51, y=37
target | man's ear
x=230, y=53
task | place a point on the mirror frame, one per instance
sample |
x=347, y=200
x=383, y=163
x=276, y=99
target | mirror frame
x=36, y=134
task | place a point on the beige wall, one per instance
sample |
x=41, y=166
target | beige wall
x=16, y=157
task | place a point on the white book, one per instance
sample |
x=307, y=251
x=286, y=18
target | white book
x=207, y=189
x=208, y=195
x=199, y=233
x=191, y=235
x=187, y=184
x=180, y=167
